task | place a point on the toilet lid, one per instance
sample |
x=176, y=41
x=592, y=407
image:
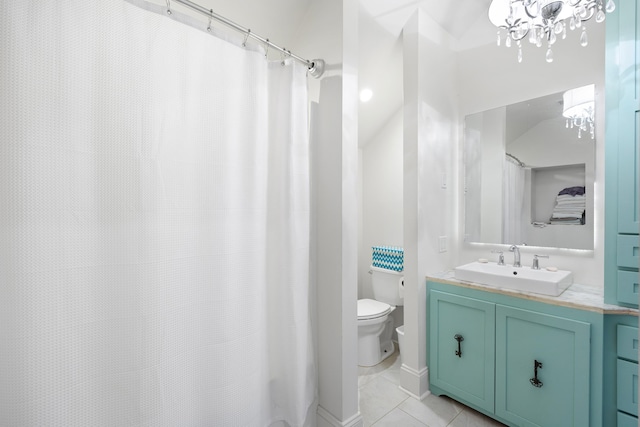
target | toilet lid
x=370, y=309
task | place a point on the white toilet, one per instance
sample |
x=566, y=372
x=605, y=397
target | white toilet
x=375, y=325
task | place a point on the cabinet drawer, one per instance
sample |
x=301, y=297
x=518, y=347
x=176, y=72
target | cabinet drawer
x=628, y=249
x=625, y=420
x=628, y=387
x=628, y=342
x=628, y=287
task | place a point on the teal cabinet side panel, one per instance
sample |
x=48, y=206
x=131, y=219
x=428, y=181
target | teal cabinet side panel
x=622, y=142
x=562, y=347
x=628, y=387
x=611, y=155
x=466, y=368
x=629, y=116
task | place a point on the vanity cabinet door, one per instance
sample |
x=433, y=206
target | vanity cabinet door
x=542, y=369
x=462, y=348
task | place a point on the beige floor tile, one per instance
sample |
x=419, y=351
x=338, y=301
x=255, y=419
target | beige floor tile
x=378, y=397
x=432, y=410
x=398, y=418
x=471, y=418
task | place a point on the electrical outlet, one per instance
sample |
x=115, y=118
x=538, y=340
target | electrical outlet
x=442, y=243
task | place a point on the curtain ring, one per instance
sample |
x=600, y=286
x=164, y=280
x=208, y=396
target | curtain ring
x=210, y=17
x=168, y=7
x=266, y=51
x=246, y=36
x=285, y=52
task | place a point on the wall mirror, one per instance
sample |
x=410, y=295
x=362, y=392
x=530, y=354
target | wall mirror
x=529, y=175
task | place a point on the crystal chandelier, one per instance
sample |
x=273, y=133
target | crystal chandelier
x=578, y=106
x=544, y=21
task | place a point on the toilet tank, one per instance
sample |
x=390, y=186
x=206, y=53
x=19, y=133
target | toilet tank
x=388, y=286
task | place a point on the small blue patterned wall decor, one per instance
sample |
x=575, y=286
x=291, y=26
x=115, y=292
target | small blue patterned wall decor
x=389, y=257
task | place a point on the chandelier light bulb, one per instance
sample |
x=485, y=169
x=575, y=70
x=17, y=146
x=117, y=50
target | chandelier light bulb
x=545, y=19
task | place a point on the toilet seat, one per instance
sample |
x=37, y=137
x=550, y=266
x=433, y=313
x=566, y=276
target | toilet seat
x=372, y=309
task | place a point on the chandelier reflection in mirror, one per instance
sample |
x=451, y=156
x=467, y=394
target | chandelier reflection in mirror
x=578, y=106
x=544, y=21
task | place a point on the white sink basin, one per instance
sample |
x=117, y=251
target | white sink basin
x=522, y=278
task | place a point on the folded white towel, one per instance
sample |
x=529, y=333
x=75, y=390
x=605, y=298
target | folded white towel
x=570, y=197
x=571, y=203
x=566, y=215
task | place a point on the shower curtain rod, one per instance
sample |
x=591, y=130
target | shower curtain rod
x=521, y=164
x=316, y=66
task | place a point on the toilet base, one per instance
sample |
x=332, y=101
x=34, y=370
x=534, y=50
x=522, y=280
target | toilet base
x=373, y=348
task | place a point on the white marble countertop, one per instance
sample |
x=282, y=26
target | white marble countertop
x=576, y=296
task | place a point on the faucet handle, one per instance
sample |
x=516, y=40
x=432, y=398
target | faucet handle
x=500, y=257
x=536, y=265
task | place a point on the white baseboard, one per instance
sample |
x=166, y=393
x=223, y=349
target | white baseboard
x=413, y=395
x=414, y=383
x=326, y=419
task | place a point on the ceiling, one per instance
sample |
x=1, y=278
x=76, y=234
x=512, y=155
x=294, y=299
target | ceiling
x=380, y=63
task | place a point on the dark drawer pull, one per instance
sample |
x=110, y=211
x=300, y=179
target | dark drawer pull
x=459, y=338
x=535, y=381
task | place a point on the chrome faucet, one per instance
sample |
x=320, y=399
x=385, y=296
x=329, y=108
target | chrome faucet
x=516, y=255
x=536, y=265
x=500, y=257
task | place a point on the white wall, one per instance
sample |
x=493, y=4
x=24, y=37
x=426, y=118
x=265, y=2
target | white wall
x=329, y=31
x=381, y=196
x=489, y=77
x=430, y=160
x=381, y=201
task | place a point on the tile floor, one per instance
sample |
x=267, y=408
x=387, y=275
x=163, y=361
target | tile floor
x=383, y=404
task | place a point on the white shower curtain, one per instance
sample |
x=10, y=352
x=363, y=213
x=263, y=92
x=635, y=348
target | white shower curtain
x=513, y=186
x=154, y=222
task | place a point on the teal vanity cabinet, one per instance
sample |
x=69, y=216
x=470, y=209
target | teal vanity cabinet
x=522, y=362
x=622, y=137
